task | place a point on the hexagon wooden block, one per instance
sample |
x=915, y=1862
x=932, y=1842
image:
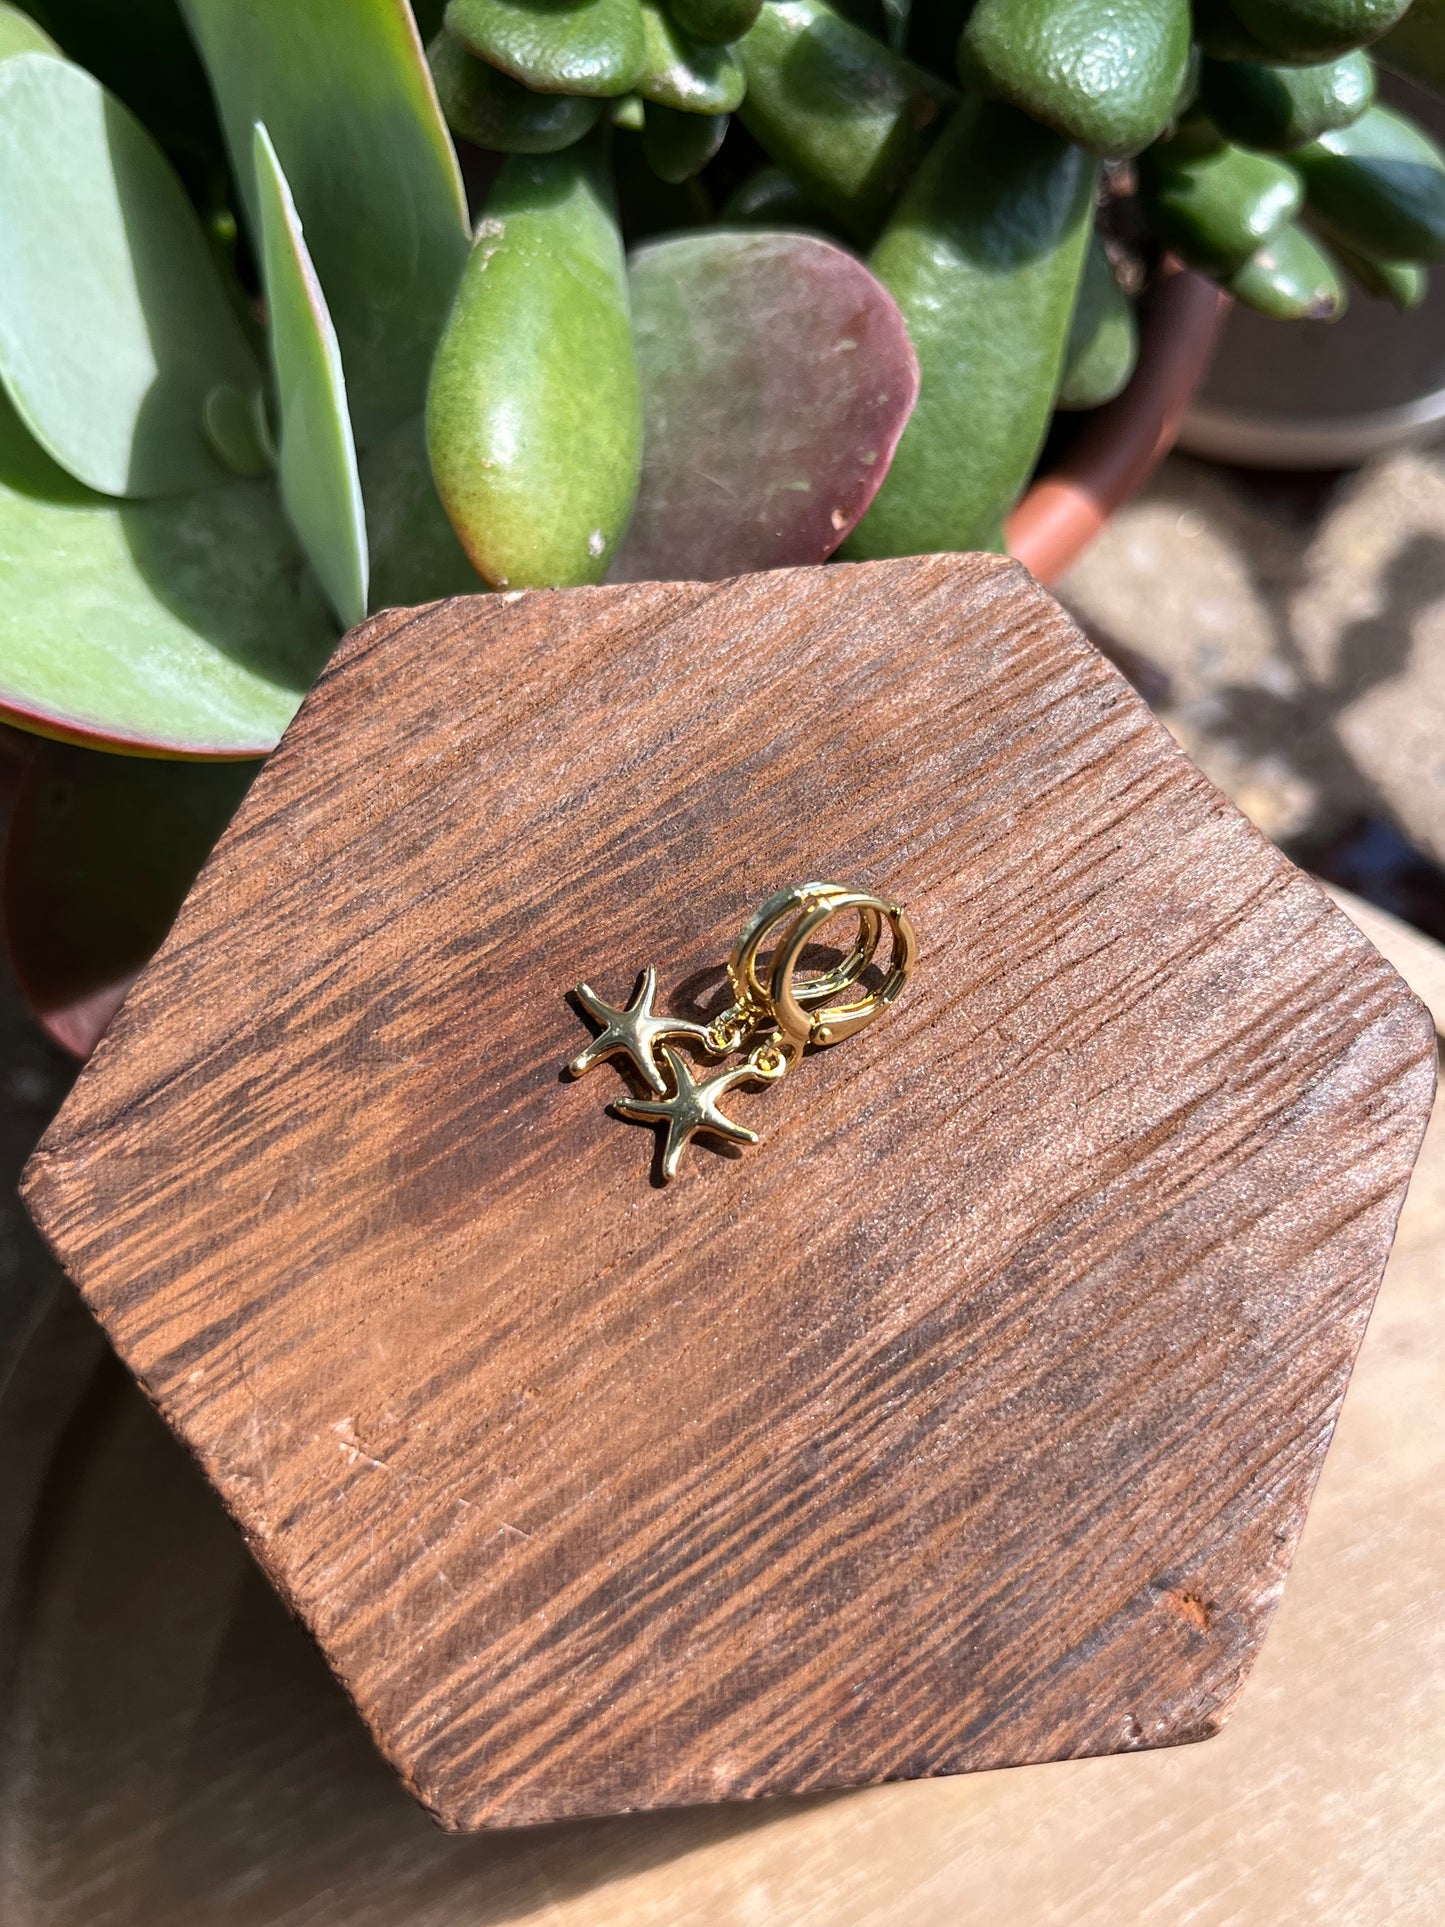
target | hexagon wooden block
x=969, y=1419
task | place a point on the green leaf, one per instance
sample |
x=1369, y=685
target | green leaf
x=345, y=94
x=1404, y=283
x=1216, y=209
x=101, y=852
x=1279, y=108
x=848, y=119
x=678, y=146
x=184, y=627
x=1291, y=278
x=320, y=487
x=570, y=47
x=1103, y=337
x=771, y=198
x=114, y=325
x=488, y=107
x=983, y=256
x=1380, y=186
x=534, y=419
x=1307, y=30
x=716, y=21
x=19, y=34
x=415, y=554
x=1107, y=77
x=140, y=51
x=688, y=75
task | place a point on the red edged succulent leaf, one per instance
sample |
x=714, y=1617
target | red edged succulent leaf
x=101, y=852
x=777, y=377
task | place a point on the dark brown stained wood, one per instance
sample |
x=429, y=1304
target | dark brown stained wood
x=969, y=1419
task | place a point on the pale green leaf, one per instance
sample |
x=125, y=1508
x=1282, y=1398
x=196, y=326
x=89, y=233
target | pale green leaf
x=345, y=94
x=184, y=627
x=114, y=325
x=317, y=456
x=19, y=34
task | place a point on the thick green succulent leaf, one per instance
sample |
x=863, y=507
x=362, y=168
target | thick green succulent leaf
x=415, y=554
x=688, y=75
x=1279, y=108
x=183, y=627
x=488, y=107
x=848, y=118
x=1215, y=209
x=534, y=417
x=114, y=325
x=716, y=21
x=1290, y=278
x=591, y=47
x=1379, y=185
x=1316, y=29
x=983, y=256
x=1103, y=337
x=320, y=488
x=1403, y=283
x=771, y=198
x=1105, y=76
x=678, y=146
x=101, y=852
x=777, y=376
x=345, y=94
x=19, y=34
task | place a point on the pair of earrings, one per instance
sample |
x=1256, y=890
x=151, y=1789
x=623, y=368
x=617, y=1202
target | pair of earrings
x=774, y=1016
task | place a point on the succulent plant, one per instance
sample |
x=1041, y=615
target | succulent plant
x=315, y=306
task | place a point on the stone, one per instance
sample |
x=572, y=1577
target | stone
x=1303, y=628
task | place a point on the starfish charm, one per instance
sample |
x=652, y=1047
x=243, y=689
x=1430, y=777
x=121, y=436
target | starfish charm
x=695, y=1108
x=634, y=1030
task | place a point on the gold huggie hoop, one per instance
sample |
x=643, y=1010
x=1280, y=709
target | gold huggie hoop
x=794, y=1010
x=752, y=995
x=770, y=1023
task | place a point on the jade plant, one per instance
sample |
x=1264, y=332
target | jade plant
x=313, y=307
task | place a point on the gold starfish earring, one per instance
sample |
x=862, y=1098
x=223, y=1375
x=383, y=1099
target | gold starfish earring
x=633, y=1031
x=774, y=1016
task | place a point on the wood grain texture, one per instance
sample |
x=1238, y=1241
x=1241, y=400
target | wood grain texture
x=968, y=1420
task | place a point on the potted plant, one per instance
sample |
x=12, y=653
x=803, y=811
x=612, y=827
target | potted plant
x=730, y=284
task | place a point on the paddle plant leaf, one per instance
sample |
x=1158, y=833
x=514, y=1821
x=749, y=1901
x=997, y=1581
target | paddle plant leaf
x=777, y=377
x=346, y=97
x=140, y=51
x=100, y=855
x=114, y=325
x=19, y=34
x=320, y=487
x=184, y=627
